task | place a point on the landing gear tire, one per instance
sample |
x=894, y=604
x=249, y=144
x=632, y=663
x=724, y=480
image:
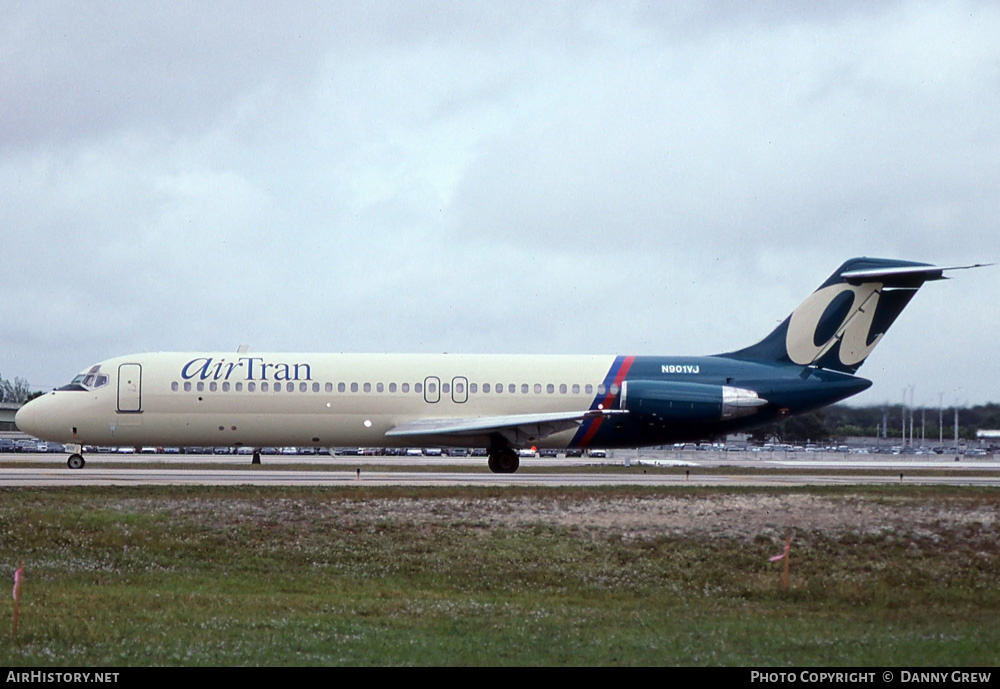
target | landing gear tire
x=75, y=462
x=504, y=461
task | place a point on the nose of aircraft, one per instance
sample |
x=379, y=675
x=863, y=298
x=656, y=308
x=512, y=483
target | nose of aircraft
x=27, y=419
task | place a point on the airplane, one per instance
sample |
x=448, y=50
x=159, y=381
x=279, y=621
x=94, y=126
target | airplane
x=500, y=402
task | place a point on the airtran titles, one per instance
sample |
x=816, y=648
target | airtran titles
x=244, y=368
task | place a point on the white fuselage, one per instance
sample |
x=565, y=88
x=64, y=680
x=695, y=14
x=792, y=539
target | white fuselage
x=320, y=400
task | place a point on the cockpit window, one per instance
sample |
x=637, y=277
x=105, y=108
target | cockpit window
x=91, y=380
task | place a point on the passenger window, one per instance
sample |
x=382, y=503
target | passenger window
x=614, y=389
x=486, y=387
x=392, y=387
x=379, y=387
x=187, y=386
x=589, y=389
x=512, y=388
x=341, y=387
x=263, y=387
x=418, y=387
x=562, y=388
x=576, y=388
x=239, y=387
x=601, y=389
x=445, y=388
x=328, y=387
x=251, y=387
x=290, y=387
x=524, y=388
x=538, y=388
x=368, y=387
x=472, y=388
x=213, y=386
x=550, y=388
x=354, y=387
x=201, y=387
x=174, y=386
x=225, y=386
x=406, y=387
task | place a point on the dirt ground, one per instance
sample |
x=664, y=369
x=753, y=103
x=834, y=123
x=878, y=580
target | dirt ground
x=706, y=514
x=717, y=514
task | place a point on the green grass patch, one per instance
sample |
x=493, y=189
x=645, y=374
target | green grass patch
x=521, y=576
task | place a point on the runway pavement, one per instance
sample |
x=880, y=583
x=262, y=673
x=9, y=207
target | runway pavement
x=645, y=468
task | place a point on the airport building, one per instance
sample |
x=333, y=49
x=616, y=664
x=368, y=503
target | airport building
x=7, y=412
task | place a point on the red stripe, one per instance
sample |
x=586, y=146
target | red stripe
x=585, y=441
x=608, y=398
x=623, y=371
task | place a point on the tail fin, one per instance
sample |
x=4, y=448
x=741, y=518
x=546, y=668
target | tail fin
x=840, y=323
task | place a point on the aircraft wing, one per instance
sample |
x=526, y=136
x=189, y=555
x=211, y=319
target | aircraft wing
x=517, y=429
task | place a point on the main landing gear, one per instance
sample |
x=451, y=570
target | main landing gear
x=503, y=460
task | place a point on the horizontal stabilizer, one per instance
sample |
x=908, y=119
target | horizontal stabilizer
x=905, y=276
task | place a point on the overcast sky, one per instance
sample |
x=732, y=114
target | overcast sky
x=527, y=177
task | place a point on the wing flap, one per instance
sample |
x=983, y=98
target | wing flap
x=517, y=429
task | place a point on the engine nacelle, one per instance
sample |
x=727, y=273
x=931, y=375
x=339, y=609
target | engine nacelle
x=680, y=401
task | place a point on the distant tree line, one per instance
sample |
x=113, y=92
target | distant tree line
x=16, y=390
x=842, y=421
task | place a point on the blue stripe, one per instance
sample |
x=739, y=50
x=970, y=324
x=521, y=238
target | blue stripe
x=609, y=379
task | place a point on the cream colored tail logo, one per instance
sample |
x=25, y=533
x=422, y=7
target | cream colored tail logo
x=852, y=333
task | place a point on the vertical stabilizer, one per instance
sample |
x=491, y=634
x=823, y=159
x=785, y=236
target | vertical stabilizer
x=838, y=326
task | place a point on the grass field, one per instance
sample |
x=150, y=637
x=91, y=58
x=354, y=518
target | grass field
x=899, y=576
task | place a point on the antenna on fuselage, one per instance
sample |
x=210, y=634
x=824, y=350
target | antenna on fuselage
x=242, y=349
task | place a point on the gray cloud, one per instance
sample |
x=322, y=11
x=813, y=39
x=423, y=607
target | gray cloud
x=576, y=177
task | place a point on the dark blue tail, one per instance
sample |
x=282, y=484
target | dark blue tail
x=840, y=323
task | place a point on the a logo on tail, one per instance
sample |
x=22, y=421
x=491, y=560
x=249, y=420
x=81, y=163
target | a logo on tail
x=838, y=313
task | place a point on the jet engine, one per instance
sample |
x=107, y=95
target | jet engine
x=681, y=401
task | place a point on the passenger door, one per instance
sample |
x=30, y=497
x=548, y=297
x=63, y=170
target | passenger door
x=130, y=388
